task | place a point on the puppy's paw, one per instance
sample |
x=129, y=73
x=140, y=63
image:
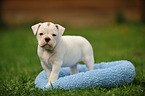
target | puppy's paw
x=47, y=84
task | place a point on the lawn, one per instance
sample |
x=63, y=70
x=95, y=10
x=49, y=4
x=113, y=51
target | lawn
x=19, y=63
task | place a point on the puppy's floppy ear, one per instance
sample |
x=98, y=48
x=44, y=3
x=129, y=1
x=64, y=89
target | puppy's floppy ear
x=35, y=28
x=60, y=28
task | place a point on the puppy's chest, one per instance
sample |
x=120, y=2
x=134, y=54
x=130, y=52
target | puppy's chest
x=44, y=56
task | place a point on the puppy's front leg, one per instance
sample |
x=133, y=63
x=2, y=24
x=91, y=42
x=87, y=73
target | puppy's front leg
x=46, y=68
x=54, y=73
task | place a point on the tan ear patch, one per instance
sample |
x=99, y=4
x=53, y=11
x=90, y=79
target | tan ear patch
x=38, y=27
x=48, y=24
x=56, y=26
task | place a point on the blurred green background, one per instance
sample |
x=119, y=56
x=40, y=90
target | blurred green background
x=115, y=28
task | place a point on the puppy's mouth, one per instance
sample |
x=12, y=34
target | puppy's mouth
x=46, y=45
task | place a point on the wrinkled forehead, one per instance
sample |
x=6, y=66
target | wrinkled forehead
x=47, y=27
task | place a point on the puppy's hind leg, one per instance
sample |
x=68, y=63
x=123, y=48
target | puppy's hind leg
x=74, y=70
x=89, y=61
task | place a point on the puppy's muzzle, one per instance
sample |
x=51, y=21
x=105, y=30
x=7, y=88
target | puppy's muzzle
x=47, y=39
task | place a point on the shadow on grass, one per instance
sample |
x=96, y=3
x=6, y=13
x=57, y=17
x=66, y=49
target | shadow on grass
x=140, y=82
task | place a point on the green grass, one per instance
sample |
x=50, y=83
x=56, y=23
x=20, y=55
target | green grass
x=19, y=63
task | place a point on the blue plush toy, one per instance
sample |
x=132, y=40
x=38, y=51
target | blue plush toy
x=109, y=74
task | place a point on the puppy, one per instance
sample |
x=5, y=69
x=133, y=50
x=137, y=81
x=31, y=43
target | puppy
x=56, y=51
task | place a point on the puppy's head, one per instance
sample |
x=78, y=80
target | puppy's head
x=48, y=34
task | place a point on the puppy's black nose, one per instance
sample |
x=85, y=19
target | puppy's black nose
x=47, y=39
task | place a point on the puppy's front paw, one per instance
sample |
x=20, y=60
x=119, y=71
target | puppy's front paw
x=47, y=84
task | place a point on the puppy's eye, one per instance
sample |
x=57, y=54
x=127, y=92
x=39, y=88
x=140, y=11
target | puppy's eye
x=41, y=34
x=53, y=34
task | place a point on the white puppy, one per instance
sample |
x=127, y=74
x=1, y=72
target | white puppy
x=56, y=51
